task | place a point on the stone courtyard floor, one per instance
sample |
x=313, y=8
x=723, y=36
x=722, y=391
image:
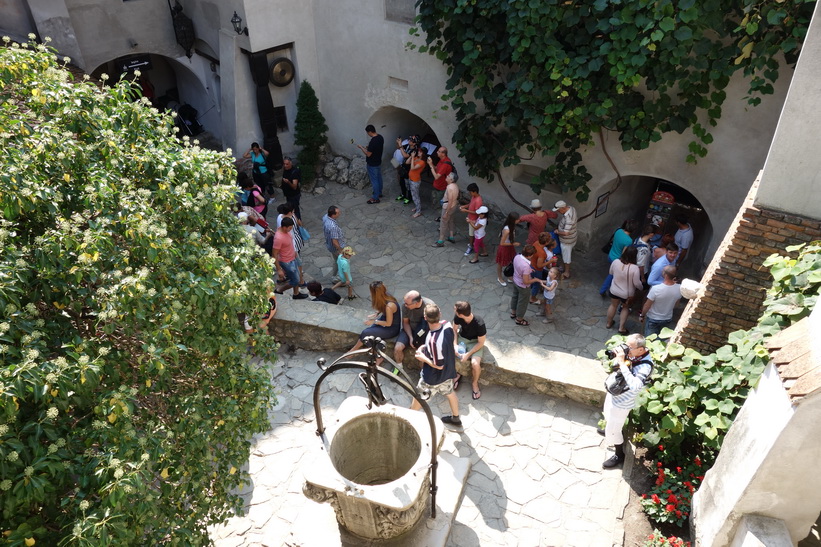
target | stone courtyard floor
x=536, y=477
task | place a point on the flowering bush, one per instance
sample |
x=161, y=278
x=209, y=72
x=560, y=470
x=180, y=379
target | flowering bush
x=657, y=539
x=668, y=501
x=126, y=397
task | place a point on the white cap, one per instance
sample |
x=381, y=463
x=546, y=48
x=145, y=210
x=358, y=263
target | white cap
x=481, y=210
x=535, y=204
x=242, y=217
x=559, y=205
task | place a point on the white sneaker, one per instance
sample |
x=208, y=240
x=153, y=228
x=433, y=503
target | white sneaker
x=502, y=283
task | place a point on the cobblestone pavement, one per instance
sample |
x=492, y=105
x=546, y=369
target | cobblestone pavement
x=536, y=477
x=394, y=248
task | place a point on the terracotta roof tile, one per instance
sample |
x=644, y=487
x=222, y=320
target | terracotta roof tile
x=798, y=367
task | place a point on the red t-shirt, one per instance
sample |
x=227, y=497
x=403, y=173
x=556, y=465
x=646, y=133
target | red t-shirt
x=284, y=244
x=443, y=169
x=474, y=204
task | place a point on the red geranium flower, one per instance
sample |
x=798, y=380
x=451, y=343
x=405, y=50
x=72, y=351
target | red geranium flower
x=658, y=464
x=655, y=499
x=661, y=447
x=678, y=469
x=698, y=461
x=678, y=514
x=670, y=508
x=672, y=498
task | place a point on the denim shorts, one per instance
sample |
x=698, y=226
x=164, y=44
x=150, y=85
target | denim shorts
x=291, y=273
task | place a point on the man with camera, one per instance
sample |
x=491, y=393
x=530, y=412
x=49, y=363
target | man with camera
x=632, y=368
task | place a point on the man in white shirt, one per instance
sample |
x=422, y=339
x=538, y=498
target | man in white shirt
x=683, y=237
x=661, y=300
x=567, y=232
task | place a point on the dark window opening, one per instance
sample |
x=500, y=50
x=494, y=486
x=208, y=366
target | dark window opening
x=281, y=118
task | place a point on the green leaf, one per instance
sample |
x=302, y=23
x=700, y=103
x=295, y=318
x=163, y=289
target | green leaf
x=667, y=24
x=655, y=407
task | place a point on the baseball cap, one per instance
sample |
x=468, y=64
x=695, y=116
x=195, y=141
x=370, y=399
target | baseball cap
x=559, y=205
x=535, y=204
x=481, y=210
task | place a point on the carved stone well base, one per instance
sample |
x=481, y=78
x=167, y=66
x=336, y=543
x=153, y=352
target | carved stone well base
x=375, y=470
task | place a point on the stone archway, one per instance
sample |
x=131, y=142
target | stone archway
x=174, y=84
x=632, y=200
x=392, y=122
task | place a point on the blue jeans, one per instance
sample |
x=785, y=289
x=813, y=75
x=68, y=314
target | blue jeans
x=375, y=174
x=607, y=281
x=654, y=327
x=291, y=272
x=536, y=288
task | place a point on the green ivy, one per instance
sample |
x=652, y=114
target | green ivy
x=695, y=398
x=542, y=77
x=127, y=400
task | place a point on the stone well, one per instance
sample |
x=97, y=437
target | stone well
x=375, y=468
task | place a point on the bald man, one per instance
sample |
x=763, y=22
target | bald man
x=414, y=326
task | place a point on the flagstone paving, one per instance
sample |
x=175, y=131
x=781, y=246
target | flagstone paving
x=536, y=476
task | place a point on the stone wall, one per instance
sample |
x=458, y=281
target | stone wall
x=736, y=281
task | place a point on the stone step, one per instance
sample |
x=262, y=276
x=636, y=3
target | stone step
x=317, y=326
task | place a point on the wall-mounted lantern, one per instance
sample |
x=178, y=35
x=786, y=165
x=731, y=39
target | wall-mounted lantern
x=236, y=21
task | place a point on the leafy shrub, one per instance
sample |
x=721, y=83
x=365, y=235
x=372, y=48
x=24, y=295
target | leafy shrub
x=126, y=397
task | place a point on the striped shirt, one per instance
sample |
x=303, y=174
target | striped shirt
x=636, y=376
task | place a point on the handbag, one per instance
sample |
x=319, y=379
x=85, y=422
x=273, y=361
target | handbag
x=304, y=234
x=508, y=270
x=607, y=246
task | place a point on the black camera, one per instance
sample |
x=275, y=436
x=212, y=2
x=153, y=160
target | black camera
x=611, y=353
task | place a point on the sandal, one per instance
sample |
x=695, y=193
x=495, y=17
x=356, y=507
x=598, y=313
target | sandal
x=452, y=240
x=456, y=381
x=485, y=254
x=513, y=316
x=624, y=332
x=473, y=261
x=477, y=395
x=522, y=322
x=352, y=297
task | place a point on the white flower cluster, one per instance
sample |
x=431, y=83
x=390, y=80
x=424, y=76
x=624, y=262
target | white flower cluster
x=3, y=429
x=52, y=412
x=84, y=505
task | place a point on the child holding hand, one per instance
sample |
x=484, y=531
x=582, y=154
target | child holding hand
x=549, y=285
x=479, y=231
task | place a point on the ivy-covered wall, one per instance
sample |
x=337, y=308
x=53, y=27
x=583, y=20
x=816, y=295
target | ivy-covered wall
x=736, y=281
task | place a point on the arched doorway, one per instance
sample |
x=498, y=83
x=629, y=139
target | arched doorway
x=173, y=85
x=392, y=123
x=634, y=199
